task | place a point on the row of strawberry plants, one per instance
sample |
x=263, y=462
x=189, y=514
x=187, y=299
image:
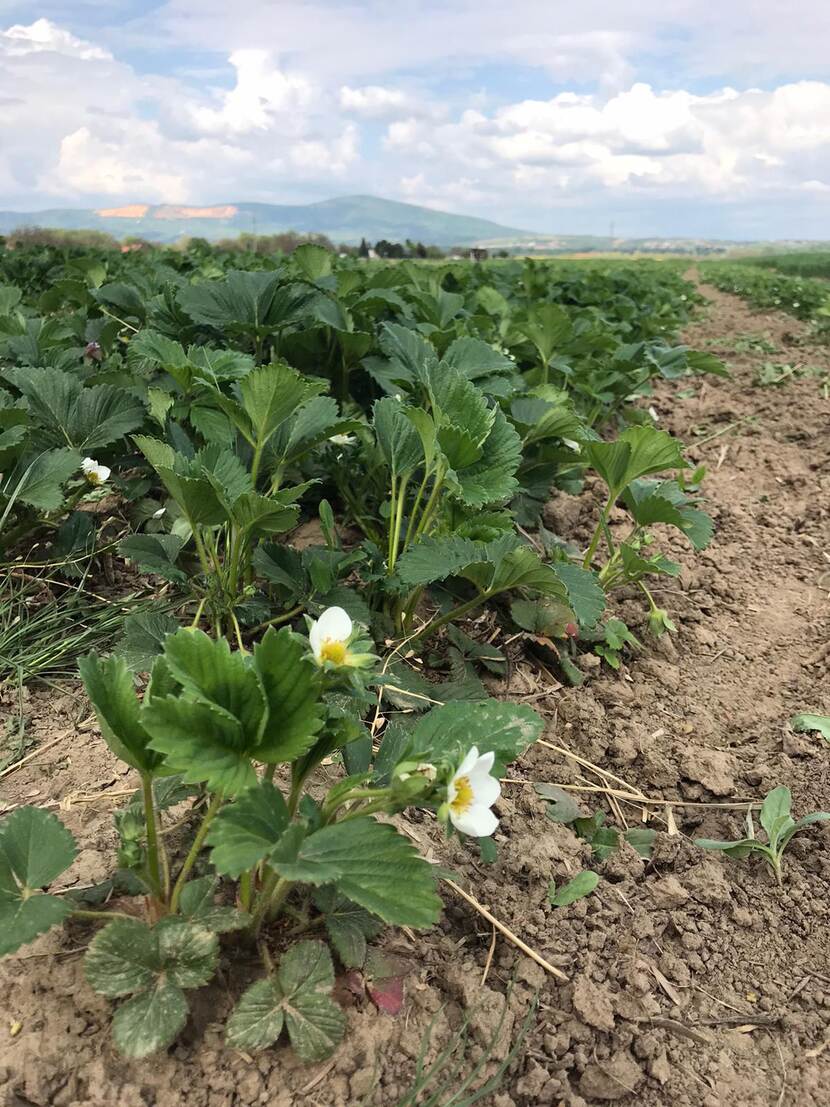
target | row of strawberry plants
x=195, y=405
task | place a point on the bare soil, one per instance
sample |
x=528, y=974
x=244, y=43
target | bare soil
x=693, y=980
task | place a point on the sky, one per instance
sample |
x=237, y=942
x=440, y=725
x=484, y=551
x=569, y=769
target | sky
x=654, y=117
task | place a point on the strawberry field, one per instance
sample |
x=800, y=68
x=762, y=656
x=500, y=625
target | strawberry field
x=414, y=681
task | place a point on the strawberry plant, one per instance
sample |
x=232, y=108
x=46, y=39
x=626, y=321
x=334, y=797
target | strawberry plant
x=272, y=849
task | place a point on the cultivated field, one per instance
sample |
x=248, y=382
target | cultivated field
x=414, y=681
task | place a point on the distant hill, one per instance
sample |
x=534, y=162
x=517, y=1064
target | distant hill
x=346, y=219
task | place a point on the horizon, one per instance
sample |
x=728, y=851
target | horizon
x=225, y=203
x=707, y=124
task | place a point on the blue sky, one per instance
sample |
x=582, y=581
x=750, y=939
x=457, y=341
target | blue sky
x=663, y=118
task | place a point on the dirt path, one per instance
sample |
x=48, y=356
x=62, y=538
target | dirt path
x=694, y=981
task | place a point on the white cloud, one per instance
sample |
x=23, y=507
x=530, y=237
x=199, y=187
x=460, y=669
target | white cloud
x=19, y=40
x=287, y=106
x=263, y=95
x=717, y=142
x=373, y=101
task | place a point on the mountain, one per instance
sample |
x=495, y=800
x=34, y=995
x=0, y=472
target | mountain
x=345, y=219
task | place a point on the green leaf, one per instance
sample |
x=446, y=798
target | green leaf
x=198, y=904
x=492, y=478
x=397, y=437
x=806, y=722
x=434, y=559
x=244, y=832
x=150, y=1021
x=155, y=553
x=299, y=997
x=775, y=810
x=38, y=481
x=585, y=594
x=109, y=685
x=35, y=848
x=562, y=808
x=271, y=394
x=371, y=864
x=637, y=452
x=143, y=638
x=201, y=741
x=122, y=958
x=348, y=926
x=245, y=302
x=581, y=885
x=738, y=849
x=548, y=327
x=153, y=965
x=291, y=684
x=449, y=731
x=546, y=616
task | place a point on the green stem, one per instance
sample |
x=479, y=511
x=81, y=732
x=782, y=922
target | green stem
x=152, y=833
x=598, y=532
x=426, y=518
x=197, y=617
x=284, y=618
x=396, y=533
x=274, y=891
x=456, y=613
x=198, y=841
x=393, y=500
x=414, y=513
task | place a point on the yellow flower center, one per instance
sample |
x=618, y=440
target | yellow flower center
x=93, y=478
x=463, y=795
x=333, y=650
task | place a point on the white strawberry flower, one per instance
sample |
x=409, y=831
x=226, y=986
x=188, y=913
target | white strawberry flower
x=95, y=473
x=471, y=793
x=342, y=439
x=329, y=636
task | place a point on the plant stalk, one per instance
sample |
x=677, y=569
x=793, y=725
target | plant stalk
x=198, y=842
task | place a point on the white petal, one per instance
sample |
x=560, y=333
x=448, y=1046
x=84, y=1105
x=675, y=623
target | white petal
x=335, y=625
x=466, y=766
x=88, y=464
x=478, y=821
x=486, y=761
x=102, y=472
x=315, y=639
x=486, y=789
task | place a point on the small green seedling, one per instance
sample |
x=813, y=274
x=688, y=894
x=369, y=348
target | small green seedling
x=582, y=885
x=806, y=722
x=779, y=825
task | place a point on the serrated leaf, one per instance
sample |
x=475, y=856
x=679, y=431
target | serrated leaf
x=371, y=864
x=271, y=394
x=348, y=926
x=109, y=685
x=150, y=1021
x=244, y=832
x=492, y=478
x=397, y=437
x=197, y=904
x=143, y=638
x=449, y=731
x=155, y=553
x=201, y=741
x=291, y=684
x=122, y=958
x=637, y=452
x=35, y=848
x=208, y=669
x=585, y=594
x=299, y=997
x=548, y=326
x=38, y=481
